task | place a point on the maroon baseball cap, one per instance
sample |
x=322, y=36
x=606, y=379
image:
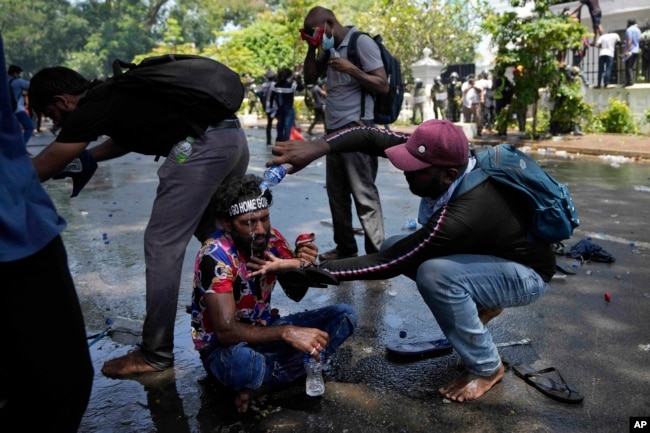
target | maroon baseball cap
x=434, y=142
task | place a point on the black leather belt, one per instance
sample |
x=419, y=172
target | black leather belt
x=224, y=124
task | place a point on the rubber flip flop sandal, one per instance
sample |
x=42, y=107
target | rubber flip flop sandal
x=320, y=278
x=432, y=348
x=565, y=268
x=551, y=387
x=295, y=283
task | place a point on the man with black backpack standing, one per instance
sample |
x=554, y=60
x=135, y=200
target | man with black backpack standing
x=349, y=88
x=201, y=153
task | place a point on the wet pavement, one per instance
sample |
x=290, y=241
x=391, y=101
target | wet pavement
x=601, y=348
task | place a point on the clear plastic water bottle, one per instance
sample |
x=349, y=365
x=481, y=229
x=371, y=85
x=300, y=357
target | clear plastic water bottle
x=342, y=77
x=124, y=330
x=410, y=225
x=182, y=150
x=272, y=176
x=314, y=383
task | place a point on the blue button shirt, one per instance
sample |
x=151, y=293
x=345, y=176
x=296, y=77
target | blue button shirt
x=28, y=219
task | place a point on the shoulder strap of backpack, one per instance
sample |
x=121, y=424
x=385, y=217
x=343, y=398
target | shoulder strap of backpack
x=353, y=56
x=471, y=180
x=119, y=65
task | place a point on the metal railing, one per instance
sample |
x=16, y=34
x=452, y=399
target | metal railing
x=590, y=67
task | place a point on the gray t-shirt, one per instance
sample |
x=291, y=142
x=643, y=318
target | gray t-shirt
x=344, y=100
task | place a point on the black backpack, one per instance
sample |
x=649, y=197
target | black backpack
x=388, y=106
x=205, y=90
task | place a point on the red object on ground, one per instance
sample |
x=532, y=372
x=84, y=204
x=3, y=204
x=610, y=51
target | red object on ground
x=295, y=134
x=608, y=297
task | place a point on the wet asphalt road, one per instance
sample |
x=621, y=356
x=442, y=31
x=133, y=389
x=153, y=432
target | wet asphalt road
x=602, y=348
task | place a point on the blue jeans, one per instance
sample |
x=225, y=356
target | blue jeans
x=275, y=364
x=286, y=118
x=27, y=124
x=605, y=67
x=456, y=287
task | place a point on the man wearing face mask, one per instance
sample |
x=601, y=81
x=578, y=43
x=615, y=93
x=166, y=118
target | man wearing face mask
x=349, y=175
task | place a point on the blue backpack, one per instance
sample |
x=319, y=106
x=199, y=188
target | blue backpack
x=554, y=214
x=388, y=106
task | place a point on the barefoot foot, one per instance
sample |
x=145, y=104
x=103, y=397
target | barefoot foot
x=131, y=363
x=487, y=314
x=469, y=386
x=242, y=400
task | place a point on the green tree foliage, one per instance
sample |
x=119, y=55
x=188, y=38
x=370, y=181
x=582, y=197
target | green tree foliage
x=120, y=30
x=569, y=107
x=449, y=29
x=248, y=35
x=40, y=33
x=534, y=42
x=272, y=41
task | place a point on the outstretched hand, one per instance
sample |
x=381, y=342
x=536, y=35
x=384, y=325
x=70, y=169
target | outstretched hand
x=298, y=153
x=272, y=264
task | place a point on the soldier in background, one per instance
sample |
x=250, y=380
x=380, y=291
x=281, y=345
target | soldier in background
x=454, y=94
x=439, y=98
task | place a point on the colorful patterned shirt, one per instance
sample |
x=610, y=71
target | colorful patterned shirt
x=220, y=268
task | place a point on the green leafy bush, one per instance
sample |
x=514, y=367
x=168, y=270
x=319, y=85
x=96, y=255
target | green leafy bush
x=569, y=107
x=543, y=120
x=617, y=118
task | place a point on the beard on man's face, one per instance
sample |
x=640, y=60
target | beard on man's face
x=253, y=247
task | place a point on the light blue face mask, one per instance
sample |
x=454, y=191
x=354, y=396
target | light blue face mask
x=328, y=42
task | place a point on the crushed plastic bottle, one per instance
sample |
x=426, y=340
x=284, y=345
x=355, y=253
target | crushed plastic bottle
x=124, y=330
x=314, y=383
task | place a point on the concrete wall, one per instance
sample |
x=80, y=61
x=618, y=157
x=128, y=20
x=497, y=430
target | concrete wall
x=636, y=97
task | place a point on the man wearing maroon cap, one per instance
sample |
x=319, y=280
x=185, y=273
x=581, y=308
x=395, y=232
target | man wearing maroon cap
x=472, y=256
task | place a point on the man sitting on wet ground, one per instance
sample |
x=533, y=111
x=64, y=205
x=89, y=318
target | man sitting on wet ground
x=232, y=319
x=472, y=256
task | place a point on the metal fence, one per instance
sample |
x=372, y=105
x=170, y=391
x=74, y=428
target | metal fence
x=590, y=66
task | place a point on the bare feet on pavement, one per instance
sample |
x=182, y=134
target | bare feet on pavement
x=131, y=363
x=469, y=386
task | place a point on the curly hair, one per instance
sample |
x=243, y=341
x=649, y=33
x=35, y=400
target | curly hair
x=235, y=190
